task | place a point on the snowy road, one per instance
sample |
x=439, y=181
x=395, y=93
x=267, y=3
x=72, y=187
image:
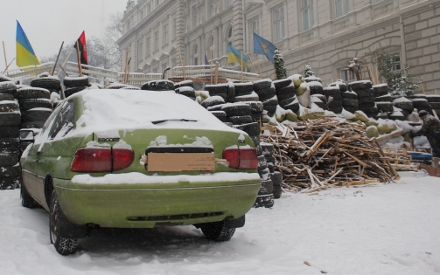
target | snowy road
x=379, y=229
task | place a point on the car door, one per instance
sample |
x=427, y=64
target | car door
x=39, y=160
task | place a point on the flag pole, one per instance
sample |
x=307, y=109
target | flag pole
x=79, y=58
x=182, y=63
x=58, y=57
x=241, y=63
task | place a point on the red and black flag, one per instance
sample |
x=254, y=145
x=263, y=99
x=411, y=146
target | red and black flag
x=82, y=46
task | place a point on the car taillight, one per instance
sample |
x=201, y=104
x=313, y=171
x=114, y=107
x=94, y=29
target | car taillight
x=95, y=160
x=241, y=158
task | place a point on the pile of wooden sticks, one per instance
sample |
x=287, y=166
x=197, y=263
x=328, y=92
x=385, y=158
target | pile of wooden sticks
x=327, y=152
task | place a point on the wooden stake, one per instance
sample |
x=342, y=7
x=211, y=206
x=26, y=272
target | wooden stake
x=58, y=57
x=216, y=73
x=182, y=63
x=65, y=60
x=79, y=59
x=4, y=52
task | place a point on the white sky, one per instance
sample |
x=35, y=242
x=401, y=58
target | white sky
x=47, y=23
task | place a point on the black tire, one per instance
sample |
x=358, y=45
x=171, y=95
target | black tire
x=245, y=88
x=9, y=183
x=185, y=83
x=262, y=162
x=435, y=105
x=10, y=171
x=50, y=83
x=6, y=96
x=294, y=106
x=219, y=89
x=9, y=145
x=350, y=102
x=277, y=191
x=266, y=201
x=36, y=115
x=366, y=105
x=349, y=94
x=289, y=90
x=213, y=101
x=271, y=105
x=32, y=92
x=407, y=106
x=10, y=119
x=256, y=106
x=8, y=106
x=76, y=81
x=220, y=115
x=8, y=159
x=9, y=131
x=286, y=102
x=26, y=199
x=63, y=246
x=4, y=78
x=365, y=93
x=70, y=91
x=251, y=128
x=250, y=97
x=238, y=109
x=380, y=90
x=385, y=107
x=231, y=92
x=262, y=84
x=8, y=87
x=266, y=187
x=217, y=231
x=158, y=85
x=239, y=120
x=433, y=98
x=360, y=85
x=280, y=83
x=267, y=149
x=384, y=98
x=31, y=103
x=332, y=92
x=365, y=100
x=116, y=86
x=186, y=91
x=315, y=87
x=266, y=94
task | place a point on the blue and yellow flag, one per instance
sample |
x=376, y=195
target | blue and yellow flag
x=263, y=46
x=25, y=53
x=235, y=56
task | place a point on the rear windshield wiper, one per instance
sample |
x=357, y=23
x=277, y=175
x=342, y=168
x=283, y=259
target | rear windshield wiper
x=165, y=120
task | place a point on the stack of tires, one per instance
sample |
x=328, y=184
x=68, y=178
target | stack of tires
x=402, y=108
x=334, y=98
x=185, y=88
x=434, y=101
x=35, y=106
x=365, y=95
x=420, y=102
x=383, y=100
x=10, y=120
x=242, y=92
x=286, y=94
x=265, y=89
x=75, y=84
x=221, y=90
x=265, y=197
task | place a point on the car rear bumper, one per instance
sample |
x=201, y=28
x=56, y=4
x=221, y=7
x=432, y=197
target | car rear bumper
x=146, y=205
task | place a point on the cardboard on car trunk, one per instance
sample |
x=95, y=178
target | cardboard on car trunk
x=175, y=162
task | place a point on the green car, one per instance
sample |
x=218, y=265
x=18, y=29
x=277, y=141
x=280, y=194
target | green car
x=138, y=159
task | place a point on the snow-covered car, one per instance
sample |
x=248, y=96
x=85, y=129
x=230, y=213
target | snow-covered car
x=138, y=159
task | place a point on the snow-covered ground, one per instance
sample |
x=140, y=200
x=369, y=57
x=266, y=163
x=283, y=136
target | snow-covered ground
x=378, y=229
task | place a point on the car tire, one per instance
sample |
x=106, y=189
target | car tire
x=63, y=246
x=32, y=92
x=6, y=96
x=240, y=109
x=9, y=131
x=9, y=183
x=218, y=231
x=26, y=200
x=281, y=83
x=73, y=90
x=50, y=83
x=78, y=81
x=27, y=104
x=266, y=94
x=8, y=159
x=262, y=84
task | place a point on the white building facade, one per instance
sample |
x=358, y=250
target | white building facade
x=326, y=34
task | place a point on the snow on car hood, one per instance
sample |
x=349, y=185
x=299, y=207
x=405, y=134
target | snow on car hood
x=131, y=109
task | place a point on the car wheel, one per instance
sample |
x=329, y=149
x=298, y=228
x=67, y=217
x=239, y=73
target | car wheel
x=64, y=246
x=217, y=231
x=26, y=199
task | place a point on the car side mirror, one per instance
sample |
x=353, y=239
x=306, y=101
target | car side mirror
x=27, y=135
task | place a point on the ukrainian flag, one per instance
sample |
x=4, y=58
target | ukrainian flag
x=263, y=46
x=25, y=53
x=235, y=56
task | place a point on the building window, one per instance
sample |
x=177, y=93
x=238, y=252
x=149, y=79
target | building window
x=342, y=7
x=396, y=62
x=307, y=14
x=156, y=41
x=165, y=35
x=346, y=75
x=140, y=51
x=147, y=47
x=229, y=38
x=278, y=23
x=195, y=16
x=196, y=54
x=211, y=8
x=174, y=28
x=255, y=28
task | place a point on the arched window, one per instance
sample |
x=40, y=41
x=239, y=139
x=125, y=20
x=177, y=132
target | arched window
x=196, y=54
